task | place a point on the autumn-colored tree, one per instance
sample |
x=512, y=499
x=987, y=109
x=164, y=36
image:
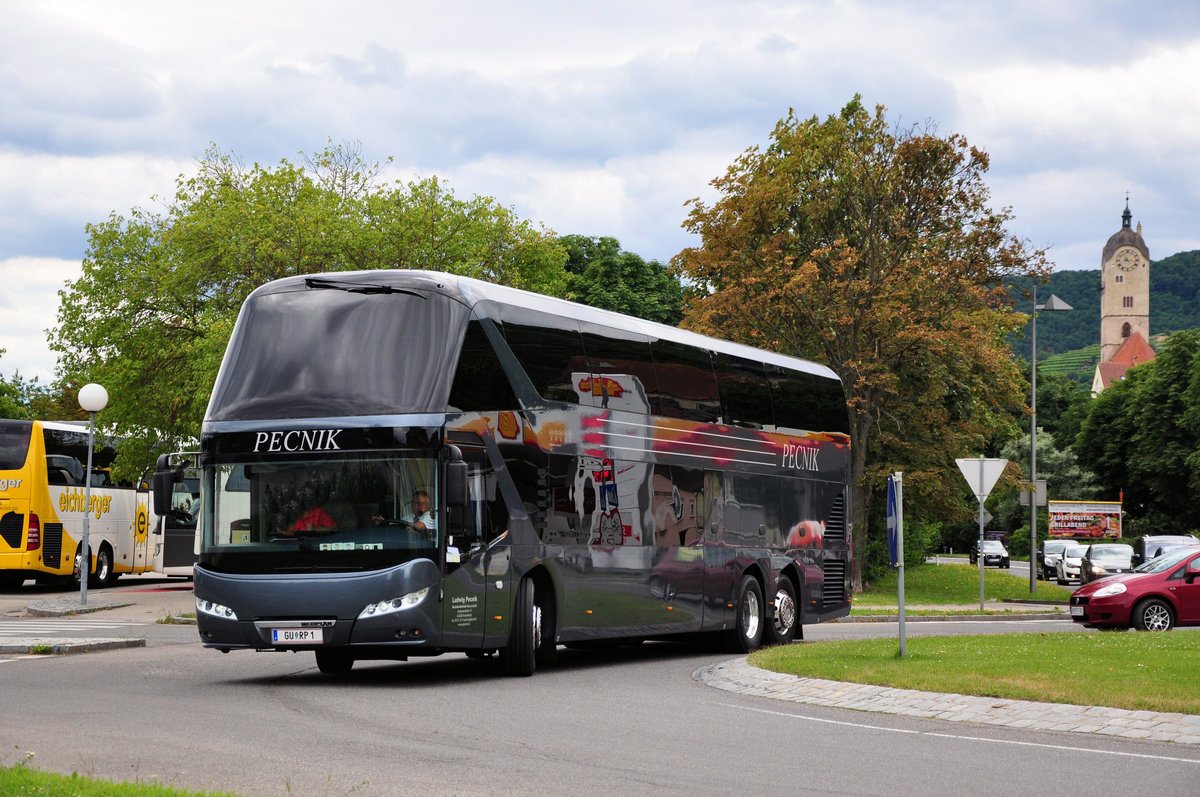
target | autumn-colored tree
x=152, y=313
x=871, y=249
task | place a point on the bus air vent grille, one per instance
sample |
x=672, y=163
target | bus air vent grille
x=12, y=526
x=833, y=592
x=52, y=544
x=835, y=526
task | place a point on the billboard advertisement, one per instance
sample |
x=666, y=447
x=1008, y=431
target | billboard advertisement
x=1085, y=519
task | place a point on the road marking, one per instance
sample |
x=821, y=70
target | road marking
x=54, y=626
x=964, y=738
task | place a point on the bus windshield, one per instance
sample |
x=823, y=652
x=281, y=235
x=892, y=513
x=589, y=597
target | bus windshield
x=343, y=514
x=14, y=443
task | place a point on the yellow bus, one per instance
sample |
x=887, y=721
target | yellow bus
x=42, y=506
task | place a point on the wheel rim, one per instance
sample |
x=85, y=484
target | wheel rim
x=751, y=614
x=537, y=626
x=1156, y=617
x=785, y=612
x=102, y=566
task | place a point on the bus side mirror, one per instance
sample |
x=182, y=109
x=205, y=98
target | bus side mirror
x=165, y=480
x=456, y=483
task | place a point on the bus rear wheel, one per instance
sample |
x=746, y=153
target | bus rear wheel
x=785, y=615
x=747, y=634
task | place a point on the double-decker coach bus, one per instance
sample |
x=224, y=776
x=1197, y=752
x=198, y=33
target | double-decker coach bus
x=43, y=501
x=405, y=463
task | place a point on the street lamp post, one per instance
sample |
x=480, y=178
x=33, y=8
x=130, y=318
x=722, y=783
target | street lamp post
x=92, y=398
x=1052, y=304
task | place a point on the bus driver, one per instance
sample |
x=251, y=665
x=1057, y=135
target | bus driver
x=421, y=517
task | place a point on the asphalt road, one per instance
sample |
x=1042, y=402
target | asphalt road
x=625, y=721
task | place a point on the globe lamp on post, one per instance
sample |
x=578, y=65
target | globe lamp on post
x=92, y=399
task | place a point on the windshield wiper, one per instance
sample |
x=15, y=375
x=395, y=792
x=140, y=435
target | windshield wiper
x=354, y=287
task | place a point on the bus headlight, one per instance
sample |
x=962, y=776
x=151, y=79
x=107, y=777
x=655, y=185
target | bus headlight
x=394, y=605
x=214, y=609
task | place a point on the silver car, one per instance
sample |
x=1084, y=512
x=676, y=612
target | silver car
x=1069, y=562
x=1049, y=556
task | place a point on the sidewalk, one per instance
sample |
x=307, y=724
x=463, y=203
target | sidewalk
x=739, y=677
x=139, y=600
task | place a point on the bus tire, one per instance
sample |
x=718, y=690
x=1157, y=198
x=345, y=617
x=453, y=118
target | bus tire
x=333, y=661
x=524, y=639
x=11, y=580
x=785, y=613
x=77, y=571
x=750, y=620
x=102, y=576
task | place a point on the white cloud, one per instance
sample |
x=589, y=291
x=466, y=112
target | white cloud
x=29, y=306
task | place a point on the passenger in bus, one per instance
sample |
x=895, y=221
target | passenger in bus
x=315, y=519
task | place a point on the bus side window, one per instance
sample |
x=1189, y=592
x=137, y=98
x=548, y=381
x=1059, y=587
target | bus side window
x=57, y=475
x=64, y=469
x=485, y=517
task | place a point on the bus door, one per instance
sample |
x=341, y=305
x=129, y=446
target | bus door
x=478, y=585
x=175, y=536
x=142, y=557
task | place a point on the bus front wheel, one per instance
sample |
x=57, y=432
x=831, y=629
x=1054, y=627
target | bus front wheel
x=334, y=662
x=102, y=576
x=520, y=657
x=747, y=634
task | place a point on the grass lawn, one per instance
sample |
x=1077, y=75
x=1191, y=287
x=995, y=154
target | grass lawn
x=20, y=779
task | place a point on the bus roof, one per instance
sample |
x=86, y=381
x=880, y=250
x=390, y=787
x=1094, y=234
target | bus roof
x=474, y=292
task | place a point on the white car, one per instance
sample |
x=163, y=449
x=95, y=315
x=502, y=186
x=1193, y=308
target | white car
x=1068, y=563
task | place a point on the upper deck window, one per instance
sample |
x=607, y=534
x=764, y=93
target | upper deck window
x=550, y=350
x=687, y=386
x=805, y=402
x=745, y=395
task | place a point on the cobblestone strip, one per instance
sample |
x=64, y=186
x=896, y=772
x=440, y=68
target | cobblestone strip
x=738, y=676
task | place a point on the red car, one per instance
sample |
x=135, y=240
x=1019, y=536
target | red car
x=1156, y=596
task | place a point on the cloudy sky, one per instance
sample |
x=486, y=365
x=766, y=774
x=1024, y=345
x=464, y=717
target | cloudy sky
x=591, y=118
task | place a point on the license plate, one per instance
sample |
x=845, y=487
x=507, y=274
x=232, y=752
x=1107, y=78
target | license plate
x=297, y=636
x=1077, y=611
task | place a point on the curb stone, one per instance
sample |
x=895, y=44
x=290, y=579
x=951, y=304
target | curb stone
x=739, y=677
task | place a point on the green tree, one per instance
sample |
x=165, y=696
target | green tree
x=1141, y=438
x=605, y=276
x=873, y=250
x=22, y=398
x=153, y=310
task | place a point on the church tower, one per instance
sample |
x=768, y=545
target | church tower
x=1125, y=288
x=1124, y=304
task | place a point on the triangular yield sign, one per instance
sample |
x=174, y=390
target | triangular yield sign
x=981, y=474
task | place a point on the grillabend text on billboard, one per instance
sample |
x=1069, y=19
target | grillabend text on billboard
x=1085, y=519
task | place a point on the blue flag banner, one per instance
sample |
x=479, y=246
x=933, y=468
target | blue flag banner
x=892, y=518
